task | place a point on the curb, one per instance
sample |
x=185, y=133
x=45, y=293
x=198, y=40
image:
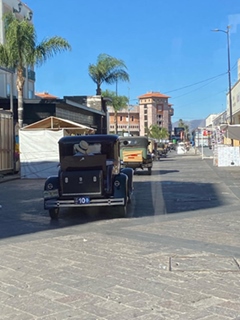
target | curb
x=6, y=178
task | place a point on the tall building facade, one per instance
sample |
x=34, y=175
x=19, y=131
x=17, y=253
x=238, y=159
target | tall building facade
x=8, y=77
x=154, y=109
x=235, y=94
x=127, y=121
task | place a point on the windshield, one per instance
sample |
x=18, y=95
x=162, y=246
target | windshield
x=134, y=142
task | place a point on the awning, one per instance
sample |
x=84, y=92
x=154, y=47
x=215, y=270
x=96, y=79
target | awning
x=231, y=131
x=55, y=123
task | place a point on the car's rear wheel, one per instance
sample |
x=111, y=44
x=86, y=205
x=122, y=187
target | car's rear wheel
x=54, y=213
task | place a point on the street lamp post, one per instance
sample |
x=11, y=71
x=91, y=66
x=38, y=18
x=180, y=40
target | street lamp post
x=229, y=73
x=130, y=107
x=128, y=121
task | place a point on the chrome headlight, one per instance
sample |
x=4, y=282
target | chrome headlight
x=116, y=168
x=49, y=186
x=117, y=183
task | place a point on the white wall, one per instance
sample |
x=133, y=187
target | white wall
x=39, y=156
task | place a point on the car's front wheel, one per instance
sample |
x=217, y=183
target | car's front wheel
x=54, y=213
x=120, y=211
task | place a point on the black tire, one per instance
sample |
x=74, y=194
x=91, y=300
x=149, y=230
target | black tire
x=54, y=213
x=123, y=211
x=120, y=211
x=149, y=171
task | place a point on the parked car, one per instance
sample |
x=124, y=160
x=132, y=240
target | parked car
x=89, y=175
x=135, y=154
x=152, y=147
x=162, y=150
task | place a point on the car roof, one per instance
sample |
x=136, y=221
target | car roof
x=94, y=138
x=130, y=138
x=134, y=141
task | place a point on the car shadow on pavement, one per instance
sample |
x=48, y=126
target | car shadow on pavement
x=166, y=171
x=167, y=197
x=25, y=214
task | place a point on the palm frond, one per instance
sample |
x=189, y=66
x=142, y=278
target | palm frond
x=50, y=47
x=20, y=42
x=117, y=75
x=95, y=74
x=4, y=60
x=108, y=69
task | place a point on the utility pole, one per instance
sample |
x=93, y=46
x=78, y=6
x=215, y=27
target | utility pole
x=128, y=111
x=229, y=75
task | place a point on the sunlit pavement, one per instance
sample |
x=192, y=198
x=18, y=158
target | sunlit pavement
x=176, y=256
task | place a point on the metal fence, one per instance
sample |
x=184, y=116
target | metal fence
x=6, y=142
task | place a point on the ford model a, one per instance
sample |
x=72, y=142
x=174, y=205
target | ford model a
x=89, y=175
x=135, y=154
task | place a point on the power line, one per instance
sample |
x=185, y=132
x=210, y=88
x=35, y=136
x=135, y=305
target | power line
x=194, y=84
x=194, y=89
x=199, y=100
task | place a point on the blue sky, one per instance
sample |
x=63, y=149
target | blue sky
x=168, y=46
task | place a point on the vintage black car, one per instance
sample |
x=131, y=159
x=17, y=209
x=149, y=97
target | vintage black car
x=89, y=175
x=134, y=152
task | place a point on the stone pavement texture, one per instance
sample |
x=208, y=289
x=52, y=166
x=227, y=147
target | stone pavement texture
x=177, y=255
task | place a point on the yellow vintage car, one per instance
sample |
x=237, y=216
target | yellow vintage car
x=162, y=149
x=152, y=147
x=135, y=154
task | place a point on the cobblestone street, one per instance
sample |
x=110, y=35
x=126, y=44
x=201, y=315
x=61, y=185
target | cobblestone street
x=177, y=255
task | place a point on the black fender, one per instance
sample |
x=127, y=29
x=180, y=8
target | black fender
x=120, y=186
x=54, y=181
x=129, y=172
x=149, y=156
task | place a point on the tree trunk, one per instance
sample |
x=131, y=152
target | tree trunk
x=98, y=91
x=20, y=84
x=115, y=121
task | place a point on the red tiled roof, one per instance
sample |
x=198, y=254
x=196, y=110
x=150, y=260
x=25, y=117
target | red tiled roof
x=45, y=95
x=153, y=95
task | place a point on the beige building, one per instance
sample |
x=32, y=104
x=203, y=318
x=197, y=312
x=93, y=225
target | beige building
x=8, y=77
x=235, y=92
x=127, y=121
x=154, y=109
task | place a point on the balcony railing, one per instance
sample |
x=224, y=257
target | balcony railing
x=171, y=111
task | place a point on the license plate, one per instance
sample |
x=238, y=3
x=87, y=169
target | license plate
x=83, y=200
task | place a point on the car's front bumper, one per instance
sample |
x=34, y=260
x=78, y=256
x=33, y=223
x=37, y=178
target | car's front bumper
x=136, y=165
x=56, y=203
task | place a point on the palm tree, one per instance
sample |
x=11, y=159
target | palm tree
x=20, y=50
x=158, y=133
x=107, y=69
x=182, y=124
x=117, y=102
